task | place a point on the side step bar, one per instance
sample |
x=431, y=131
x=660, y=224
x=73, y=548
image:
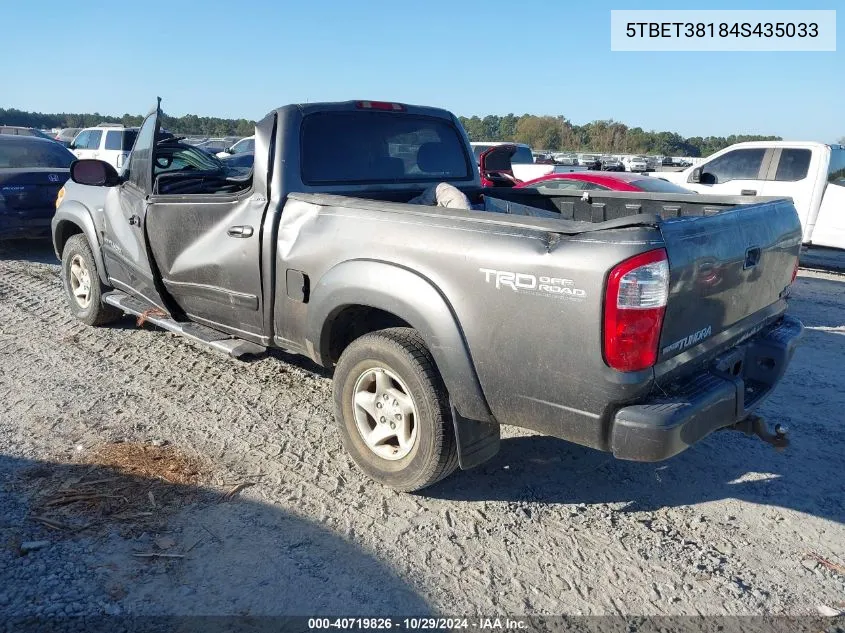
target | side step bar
x=219, y=341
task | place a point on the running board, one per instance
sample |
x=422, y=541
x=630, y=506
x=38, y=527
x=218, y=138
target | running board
x=220, y=341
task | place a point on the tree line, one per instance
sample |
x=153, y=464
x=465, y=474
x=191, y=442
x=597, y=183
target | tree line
x=541, y=132
x=611, y=137
x=188, y=124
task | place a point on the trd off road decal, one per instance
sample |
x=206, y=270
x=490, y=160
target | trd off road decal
x=533, y=284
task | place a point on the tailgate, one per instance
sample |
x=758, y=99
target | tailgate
x=725, y=268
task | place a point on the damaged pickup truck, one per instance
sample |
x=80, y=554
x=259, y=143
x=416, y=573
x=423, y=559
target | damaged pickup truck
x=635, y=323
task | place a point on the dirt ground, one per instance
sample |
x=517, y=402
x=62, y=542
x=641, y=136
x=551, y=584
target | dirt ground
x=728, y=527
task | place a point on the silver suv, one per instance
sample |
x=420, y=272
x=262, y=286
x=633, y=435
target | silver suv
x=107, y=142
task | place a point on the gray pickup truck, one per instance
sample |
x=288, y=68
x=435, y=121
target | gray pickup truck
x=631, y=323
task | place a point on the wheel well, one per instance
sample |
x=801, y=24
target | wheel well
x=353, y=322
x=64, y=231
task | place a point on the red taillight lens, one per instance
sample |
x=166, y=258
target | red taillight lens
x=794, y=272
x=634, y=304
x=379, y=105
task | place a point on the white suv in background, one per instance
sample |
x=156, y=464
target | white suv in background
x=108, y=142
x=635, y=163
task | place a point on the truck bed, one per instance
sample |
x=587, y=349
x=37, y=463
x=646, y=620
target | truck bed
x=604, y=206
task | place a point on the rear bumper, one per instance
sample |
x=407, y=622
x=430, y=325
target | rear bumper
x=16, y=225
x=717, y=397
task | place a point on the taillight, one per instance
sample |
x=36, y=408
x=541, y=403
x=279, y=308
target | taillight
x=794, y=271
x=379, y=105
x=634, y=304
x=60, y=196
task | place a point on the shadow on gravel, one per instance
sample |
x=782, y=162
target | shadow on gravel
x=40, y=250
x=547, y=470
x=195, y=552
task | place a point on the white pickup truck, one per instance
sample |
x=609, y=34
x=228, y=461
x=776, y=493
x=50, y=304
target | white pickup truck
x=812, y=174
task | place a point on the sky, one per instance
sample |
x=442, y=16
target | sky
x=242, y=59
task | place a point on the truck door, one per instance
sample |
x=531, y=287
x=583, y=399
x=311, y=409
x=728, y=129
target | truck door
x=794, y=172
x=206, y=241
x=738, y=172
x=125, y=245
x=829, y=229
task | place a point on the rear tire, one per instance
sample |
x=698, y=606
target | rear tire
x=82, y=285
x=393, y=410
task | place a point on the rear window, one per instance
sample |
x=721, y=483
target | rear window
x=659, y=185
x=793, y=165
x=836, y=173
x=121, y=140
x=22, y=153
x=377, y=147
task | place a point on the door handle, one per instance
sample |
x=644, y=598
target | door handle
x=134, y=220
x=240, y=231
x=748, y=192
x=752, y=257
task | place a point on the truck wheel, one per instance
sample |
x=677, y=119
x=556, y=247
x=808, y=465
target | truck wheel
x=82, y=284
x=393, y=410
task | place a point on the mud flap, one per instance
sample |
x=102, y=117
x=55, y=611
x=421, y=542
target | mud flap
x=477, y=440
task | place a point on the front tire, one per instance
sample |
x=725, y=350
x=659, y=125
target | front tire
x=393, y=410
x=82, y=285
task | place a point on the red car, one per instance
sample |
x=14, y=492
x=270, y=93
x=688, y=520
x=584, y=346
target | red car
x=604, y=181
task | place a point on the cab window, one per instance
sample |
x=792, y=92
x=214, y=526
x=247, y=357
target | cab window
x=81, y=140
x=836, y=172
x=740, y=164
x=793, y=165
x=94, y=139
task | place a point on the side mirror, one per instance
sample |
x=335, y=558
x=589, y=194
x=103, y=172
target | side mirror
x=95, y=173
x=695, y=176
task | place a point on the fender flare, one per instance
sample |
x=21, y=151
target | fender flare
x=74, y=213
x=415, y=300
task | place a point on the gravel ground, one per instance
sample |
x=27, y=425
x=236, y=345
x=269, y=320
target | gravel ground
x=544, y=528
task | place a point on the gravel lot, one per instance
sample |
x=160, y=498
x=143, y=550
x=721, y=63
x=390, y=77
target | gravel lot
x=544, y=528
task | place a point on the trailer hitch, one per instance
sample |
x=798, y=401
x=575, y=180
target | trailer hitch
x=756, y=425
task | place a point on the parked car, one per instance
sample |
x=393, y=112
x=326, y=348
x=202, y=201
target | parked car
x=590, y=180
x=66, y=135
x=611, y=163
x=635, y=163
x=522, y=160
x=32, y=171
x=241, y=159
x=425, y=312
x=568, y=160
x=812, y=174
x=591, y=161
x=107, y=142
x=17, y=130
x=214, y=146
x=245, y=145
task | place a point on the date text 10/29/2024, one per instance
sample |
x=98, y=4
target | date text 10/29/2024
x=418, y=624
